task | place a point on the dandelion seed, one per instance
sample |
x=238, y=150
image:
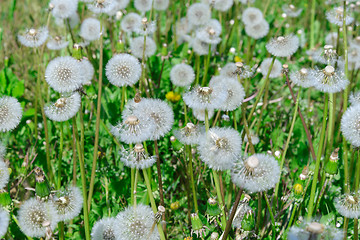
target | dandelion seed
x=137, y=47
x=314, y=230
x=10, y=113
x=57, y=43
x=275, y=71
x=252, y=16
x=350, y=125
x=130, y=22
x=4, y=174
x=182, y=75
x=123, y=70
x=136, y=223
x=348, y=205
x=161, y=5
x=4, y=221
x=34, y=216
x=63, y=8
x=210, y=32
x=102, y=6
x=258, y=173
x=34, y=37
x=199, y=114
x=304, y=77
x=198, y=14
x=233, y=70
x=90, y=29
x=291, y=10
x=68, y=203
x=104, y=229
x=235, y=92
x=220, y=148
x=137, y=157
x=283, y=46
x=330, y=81
x=336, y=16
x=64, y=74
x=205, y=97
x=190, y=134
x=257, y=30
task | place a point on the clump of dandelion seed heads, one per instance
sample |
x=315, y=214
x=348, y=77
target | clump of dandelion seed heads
x=182, y=75
x=63, y=8
x=220, y=148
x=205, y=97
x=68, y=203
x=34, y=37
x=4, y=174
x=283, y=46
x=136, y=223
x=90, y=29
x=104, y=229
x=137, y=47
x=348, y=205
x=4, y=221
x=64, y=108
x=35, y=216
x=257, y=173
x=350, y=125
x=275, y=71
x=198, y=14
x=123, y=70
x=137, y=157
x=314, y=230
x=10, y=113
x=330, y=81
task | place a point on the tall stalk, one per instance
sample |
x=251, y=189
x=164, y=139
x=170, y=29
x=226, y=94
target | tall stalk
x=60, y=155
x=191, y=173
x=312, y=24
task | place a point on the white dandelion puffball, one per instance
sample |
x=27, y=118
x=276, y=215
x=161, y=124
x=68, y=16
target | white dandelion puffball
x=348, y=205
x=137, y=157
x=220, y=148
x=254, y=138
x=104, y=229
x=122, y=4
x=257, y=30
x=64, y=8
x=146, y=28
x=182, y=75
x=88, y=71
x=198, y=14
x=235, y=70
x=330, y=81
x=123, y=70
x=182, y=28
x=34, y=37
x=291, y=10
x=4, y=221
x=304, y=77
x=103, y=6
x=137, y=47
x=64, y=74
x=331, y=38
x=314, y=230
x=4, y=174
x=2, y=151
x=10, y=113
x=210, y=32
x=90, y=29
x=64, y=108
x=57, y=43
x=275, y=71
x=252, y=16
x=161, y=5
x=136, y=223
x=234, y=89
x=350, y=125
x=336, y=16
x=143, y=5
x=158, y=112
x=199, y=114
x=205, y=97
x=354, y=99
x=200, y=47
x=220, y=5
x=283, y=46
x=258, y=173
x=190, y=134
x=74, y=20
x=130, y=22
x=68, y=203
x=35, y=215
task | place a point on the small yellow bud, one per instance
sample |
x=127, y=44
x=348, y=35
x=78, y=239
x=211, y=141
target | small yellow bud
x=174, y=205
x=298, y=189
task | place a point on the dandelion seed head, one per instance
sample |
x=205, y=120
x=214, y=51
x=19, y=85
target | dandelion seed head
x=4, y=221
x=143, y=5
x=199, y=114
x=4, y=174
x=283, y=46
x=233, y=70
x=198, y=14
x=354, y=99
x=308, y=230
x=252, y=16
x=90, y=29
x=137, y=157
x=348, y=205
x=34, y=215
x=336, y=16
x=68, y=203
x=137, y=47
x=257, y=30
x=350, y=125
x=10, y=113
x=242, y=210
x=123, y=70
x=275, y=71
x=104, y=229
x=210, y=32
x=64, y=8
x=330, y=81
x=254, y=138
x=304, y=77
x=220, y=5
x=57, y=43
x=205, y=97
x=291, y=10
x=182, y=75
x=88, y=71
x=220, y=148
x=136, y=223
x=259, y=172
x=34, y=37
x=102, y=6
x=190, y=134
x=182, y=28
x=64, y=108
x=130, y=22
x=331, y=38
x=200, y=47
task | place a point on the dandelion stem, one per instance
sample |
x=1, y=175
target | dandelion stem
x=232, y=215
x=132, y=186
x=357, y=176
x=197, y=64
x=271, y=215
x=356, y=229
x=83, y=181
x=318, y=158
x=98, y=113
x=312, y=24
x=219, y=196
x=60, y=154
x=191, y=173
x=207, y=64
x=247, y=131
x=135, y=185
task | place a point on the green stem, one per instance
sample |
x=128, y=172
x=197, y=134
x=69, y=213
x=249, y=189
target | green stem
x=207, y=64
x=318, y=158
x=271, y=216
x=356, y=229
x=135, y=186
x=357, y=175
x=312, y=24
x=60, y=154
x=197, y=64
x=191, y=173
x=220, y=199
x=132, y=185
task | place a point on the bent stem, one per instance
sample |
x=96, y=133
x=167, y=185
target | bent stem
x=232, y=215
x=271, y=215
x=318, y=159
x=97, y=127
